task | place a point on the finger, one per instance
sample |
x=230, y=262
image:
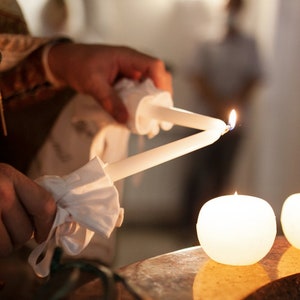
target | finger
x=120, y=112
x=42, y=213
x=14, y=218
x=6, y=246
x=17, y=222
x=163, y=80
x=110, y=101
x=39, y=204
x=115, y=107
x=132, y=62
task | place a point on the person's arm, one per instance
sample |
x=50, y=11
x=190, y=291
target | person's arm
x=243, y=95
x=220, y=106
x=23, y=80
x=90, y=69
x=210, y=97
x=26, y=210
x=198, y=76
x=94, y=70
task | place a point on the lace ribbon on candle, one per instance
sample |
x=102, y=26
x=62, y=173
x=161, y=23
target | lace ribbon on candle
x=87, y=202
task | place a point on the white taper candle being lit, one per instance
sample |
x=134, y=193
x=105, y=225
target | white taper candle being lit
x=213, y=127
x=180, y=117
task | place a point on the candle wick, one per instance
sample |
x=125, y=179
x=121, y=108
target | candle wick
x=227, y=128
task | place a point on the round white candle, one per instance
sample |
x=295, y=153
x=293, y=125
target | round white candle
x=290, y=219
x=236, y=229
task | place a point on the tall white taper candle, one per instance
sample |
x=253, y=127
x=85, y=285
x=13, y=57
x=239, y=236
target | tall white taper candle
x=159, y=155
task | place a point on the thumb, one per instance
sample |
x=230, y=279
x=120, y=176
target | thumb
x=38, y=202
x=111, y=102
x=115, y=107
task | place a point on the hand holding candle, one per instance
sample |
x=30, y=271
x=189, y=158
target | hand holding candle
x=148, y=109
x=236, y=229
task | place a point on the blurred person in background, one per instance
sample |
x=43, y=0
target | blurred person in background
x=225, y=74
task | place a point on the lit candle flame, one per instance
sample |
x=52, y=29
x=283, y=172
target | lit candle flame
x=232, y=119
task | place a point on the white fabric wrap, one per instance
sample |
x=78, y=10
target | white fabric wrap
x=134, y=94
x=87, y=202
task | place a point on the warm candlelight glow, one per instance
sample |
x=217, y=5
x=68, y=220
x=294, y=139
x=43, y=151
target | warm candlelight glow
x=214, y=281
x=232, y=119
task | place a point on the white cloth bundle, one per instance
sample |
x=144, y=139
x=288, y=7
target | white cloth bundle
x=134, y=94
x=82, y=131
x=87, y=202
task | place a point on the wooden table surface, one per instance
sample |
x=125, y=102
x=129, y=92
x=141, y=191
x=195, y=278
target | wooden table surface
x=187, y=274
x=191, y=274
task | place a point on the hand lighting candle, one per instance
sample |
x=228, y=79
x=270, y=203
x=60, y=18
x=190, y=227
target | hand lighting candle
x=145, y=160
x=148, y=108
x=290, y=219
x=236, y=229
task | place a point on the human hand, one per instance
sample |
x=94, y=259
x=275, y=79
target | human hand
x=26, y=209
x=94, y=69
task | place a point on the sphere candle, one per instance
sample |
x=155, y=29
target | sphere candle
x=236, y=229
x=290, y=219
